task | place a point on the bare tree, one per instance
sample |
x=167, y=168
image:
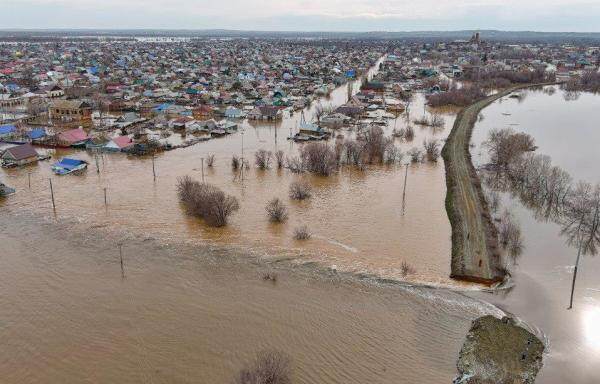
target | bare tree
x=270, y=367
x=280, y=158
x=582, y=224
x=294, y=164
x=432, y=149
x=235, y=162
x=416, y=155
x=300, y=190
x=302, y=233
x=262, y=158
x=206, y=201
x=318, y=158
x=276, y=210
x=210, y=160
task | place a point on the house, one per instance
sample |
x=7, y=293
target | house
x=72, y=138
x=19, y=155
x=7, y=130
x=335, y=120
x=55, y=91
x=265, y=112
x=127, y=119
x=233, y=113
x=36, y=134
x=119, y=144
x=70, y=110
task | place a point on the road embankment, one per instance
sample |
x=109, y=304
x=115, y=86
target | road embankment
x=476, y=255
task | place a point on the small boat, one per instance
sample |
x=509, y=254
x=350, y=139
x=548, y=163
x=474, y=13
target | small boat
x=5, y=190
x=68, y=165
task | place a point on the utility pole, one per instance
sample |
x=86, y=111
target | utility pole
x=203, y=169
x=242, y=171
x=404, y=189
x=121, y=257
x=52, y=194
x=153, y=168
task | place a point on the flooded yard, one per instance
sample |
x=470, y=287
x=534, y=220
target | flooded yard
x=565, y=129
x=358, y=218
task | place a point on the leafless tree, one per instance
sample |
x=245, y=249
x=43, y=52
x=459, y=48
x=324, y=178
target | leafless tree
x=406, y=269
x=581, y=224
x=235, y=162
x=206, y=201
x=302, y=233
x=276, y=210
x=280, y=158
x=294, y=164
x=318, y=158
x=300, y=190
x=460, y=97
x=505, y=146
x=262, y=158
x=210, y=160
x=416, y=155
x=432, y=149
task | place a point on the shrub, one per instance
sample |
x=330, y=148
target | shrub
x=235, y=162
x=270, y=367
x=206, y=201
x=276, y=211
x=279, y=157
x=393, y=155
x=432, y=149
x=415, y=155
x=460, y=97
x=406, y=269
x=300, y=190
x=269, y=276
x=506, y=146
x=210, y=160
x=318, y=158
x=262, y=159
x=302, y=233
x=294, y=164
x=353, y=151
x=408, y=133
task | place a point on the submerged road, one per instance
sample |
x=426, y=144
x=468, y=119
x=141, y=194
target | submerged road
x=475, y=252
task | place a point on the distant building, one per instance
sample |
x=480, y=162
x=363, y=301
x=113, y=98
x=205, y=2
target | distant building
x=70, y=110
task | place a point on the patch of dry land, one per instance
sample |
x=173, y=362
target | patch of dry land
x=498, y=351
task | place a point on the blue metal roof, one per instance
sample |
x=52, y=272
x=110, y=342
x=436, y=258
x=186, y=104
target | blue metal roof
x=6, y=129
x=36, y=133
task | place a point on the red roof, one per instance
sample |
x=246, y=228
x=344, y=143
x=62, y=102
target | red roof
x=122, y=141
x=73, y=136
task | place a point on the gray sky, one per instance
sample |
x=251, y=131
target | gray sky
x=306, y=15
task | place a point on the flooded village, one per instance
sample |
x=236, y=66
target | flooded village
x=349, y=209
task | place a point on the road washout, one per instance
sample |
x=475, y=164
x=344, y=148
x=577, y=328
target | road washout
x=476, y=255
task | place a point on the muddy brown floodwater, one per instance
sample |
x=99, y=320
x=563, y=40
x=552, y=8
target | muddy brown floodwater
x=357, y=218
x=565, y=128
x=189, y=314
x=193, y=306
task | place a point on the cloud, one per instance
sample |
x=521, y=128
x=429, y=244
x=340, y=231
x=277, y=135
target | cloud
x=574, y=15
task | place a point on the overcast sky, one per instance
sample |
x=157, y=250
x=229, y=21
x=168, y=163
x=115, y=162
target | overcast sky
x=305, y=15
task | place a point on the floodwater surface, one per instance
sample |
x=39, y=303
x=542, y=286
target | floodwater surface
x=565, y=128
x=192, y=314
x=359, y=219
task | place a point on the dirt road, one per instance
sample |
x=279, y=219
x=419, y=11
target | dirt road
x=475, y=253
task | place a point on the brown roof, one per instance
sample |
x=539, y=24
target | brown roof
x=69, y=104
x=22, y=152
